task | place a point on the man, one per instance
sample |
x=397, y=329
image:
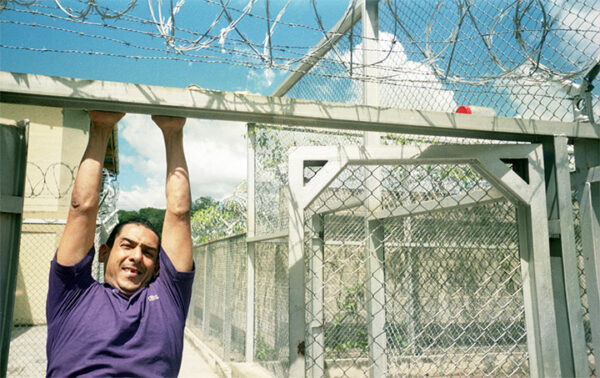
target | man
x=132, y=325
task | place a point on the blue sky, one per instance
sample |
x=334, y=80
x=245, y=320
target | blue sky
x=216, y=150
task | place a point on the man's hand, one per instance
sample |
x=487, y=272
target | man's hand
x=169, y=124
x=105, y=119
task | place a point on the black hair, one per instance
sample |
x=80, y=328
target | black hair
x=141, y=221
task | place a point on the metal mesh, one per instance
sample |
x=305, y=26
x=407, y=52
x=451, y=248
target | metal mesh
x=271, y=334
x=518, y=58
x=27, y=355
x=448, y=288
x=271, y=145
x=331, y=78
x=582, y=291
x=218, y=307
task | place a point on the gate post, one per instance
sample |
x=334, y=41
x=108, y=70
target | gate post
x=296, y=304
x=587, y=179
x=563, y=259
x=250, y=246
x=13, y=161
x=376, y=298
x=538, y=295
x=317, y=331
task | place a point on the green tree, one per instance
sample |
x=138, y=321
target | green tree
x=202, y=203
x=218, y=220
x=151, y=214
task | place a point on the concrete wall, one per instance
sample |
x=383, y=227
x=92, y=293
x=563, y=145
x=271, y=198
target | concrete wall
x=57, y=140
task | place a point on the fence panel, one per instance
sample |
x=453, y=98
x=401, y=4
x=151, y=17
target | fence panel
x=271, y=306
x=450, y=296
x=218, y=307
x=28, y=345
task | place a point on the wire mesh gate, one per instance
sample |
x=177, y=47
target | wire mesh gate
x=419, y=262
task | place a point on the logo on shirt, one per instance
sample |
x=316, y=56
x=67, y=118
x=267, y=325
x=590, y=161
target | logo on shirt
x=152, y=298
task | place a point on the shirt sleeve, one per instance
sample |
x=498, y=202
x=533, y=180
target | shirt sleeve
x=178, y=284
x=67, y=283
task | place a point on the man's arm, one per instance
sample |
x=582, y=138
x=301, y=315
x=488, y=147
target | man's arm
x=80, y=229
x=176, y=233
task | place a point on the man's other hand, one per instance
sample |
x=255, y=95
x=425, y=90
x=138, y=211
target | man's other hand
x=105, y=119
x=169, y=124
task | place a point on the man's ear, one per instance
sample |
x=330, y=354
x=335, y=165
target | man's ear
x=103, y=253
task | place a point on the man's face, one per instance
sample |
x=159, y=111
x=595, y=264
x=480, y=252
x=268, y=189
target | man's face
x=132, y=261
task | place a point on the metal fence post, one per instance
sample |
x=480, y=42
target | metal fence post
x=376, y=298
x=207, y=290
x=535, y=248
x=563, y=258
x=374, y=251
x=228, y=301
x=13, y=161
x=412, y=283
x=317, y=332
x=250, y=246
x=587, y=159
x=296, y=304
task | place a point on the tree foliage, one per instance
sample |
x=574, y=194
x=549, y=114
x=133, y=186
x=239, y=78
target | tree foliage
x=151, y=214
x=211, y=219
x=220, y=219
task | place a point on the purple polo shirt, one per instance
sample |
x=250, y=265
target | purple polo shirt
x=95, y=331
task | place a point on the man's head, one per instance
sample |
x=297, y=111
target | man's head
x=130, y=255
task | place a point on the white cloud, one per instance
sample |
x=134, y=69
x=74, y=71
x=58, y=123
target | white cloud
x=538, y=94
x=215, y=152
x=151, y=194
x=415, y=85
x=259, y=81
x=579, y=25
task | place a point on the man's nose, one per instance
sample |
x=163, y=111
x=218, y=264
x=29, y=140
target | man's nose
x=136, y=254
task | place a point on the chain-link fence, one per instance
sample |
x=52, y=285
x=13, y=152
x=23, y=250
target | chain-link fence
x=39, y=241
x=448, y=288
x=271, y=145
x=450, y=298
x=583, y=292
x=271, y=324
x=520, y=58
x=218, y=308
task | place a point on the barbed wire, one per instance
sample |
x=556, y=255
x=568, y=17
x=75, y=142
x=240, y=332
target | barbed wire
x=524, y=25
x=54, y=180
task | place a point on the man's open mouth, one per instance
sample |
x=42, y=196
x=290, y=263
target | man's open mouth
x=131, y=272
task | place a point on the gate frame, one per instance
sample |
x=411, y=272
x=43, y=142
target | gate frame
x=586, y=180
x=527, y=194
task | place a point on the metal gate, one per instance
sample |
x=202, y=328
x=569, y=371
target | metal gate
x=420, y=261
x=13, y=158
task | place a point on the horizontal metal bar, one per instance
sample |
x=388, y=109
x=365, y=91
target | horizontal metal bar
x=44, y=221
x=433, y=245
x=234, y=106
x=348, y=20
x=221, y=239
x=11, y=204
x=268, y=237
x=347, y=204
x=457, y=201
